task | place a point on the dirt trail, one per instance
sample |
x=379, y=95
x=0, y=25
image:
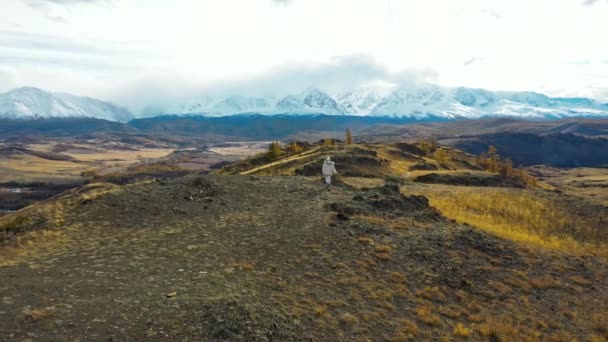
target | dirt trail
x=282, y=161
x=244, y=258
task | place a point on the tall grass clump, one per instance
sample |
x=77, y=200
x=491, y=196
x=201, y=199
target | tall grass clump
x=522, y=216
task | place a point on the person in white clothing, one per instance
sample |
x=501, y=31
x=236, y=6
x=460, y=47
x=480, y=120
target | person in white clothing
x=328, y=170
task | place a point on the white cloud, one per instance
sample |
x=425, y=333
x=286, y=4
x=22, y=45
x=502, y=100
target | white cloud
x=7, y=81
x=154, y=93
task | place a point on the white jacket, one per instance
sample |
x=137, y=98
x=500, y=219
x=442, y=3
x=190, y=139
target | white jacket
x=328, y=168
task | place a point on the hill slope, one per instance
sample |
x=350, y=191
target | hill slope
x=245, y=258
x=361, y=160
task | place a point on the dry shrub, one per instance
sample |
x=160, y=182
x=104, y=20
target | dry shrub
x=406, y=331
x=366, y=241
x=544, y=283
x=321, y=310
x=450, y=312
x=383, y=249
x=35, y=315
x=499, y=287
x=461, y=331
x=397, y=277
x=518, y=283
x=425, y=314
x=476, y=318
x=431, y=293
x=31, y=244
x=597, y=338
x=498, y=330
x=578, y=280
x=349, y=319
x=383, y=256
x=599, y=323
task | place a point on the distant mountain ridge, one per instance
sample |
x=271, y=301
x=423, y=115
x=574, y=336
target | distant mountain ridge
x=34, y=103
x=421, y=102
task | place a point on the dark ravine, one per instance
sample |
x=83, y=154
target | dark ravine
x=560, y=150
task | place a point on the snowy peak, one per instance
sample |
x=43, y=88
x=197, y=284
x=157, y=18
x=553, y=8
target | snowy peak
x=195, y=106
x=242, y=104
x=33, y=103
x=236, y=104
x=361, y=100
x=476, y=98
x=310, y=101
x=422, y=102
x=419, y=101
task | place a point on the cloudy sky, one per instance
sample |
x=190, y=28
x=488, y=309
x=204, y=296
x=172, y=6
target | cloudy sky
x=137, y=51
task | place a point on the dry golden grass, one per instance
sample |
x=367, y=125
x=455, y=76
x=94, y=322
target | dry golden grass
x=425, y=314
x=35, y=315
x=27, y=168
x=245, y=266
x=321, y=310
x=544, y=283
x=39, y=229
x=382, y=249
x=498, y=330
x=461, y=331
x=25, y=164
x=587, y=182
x=31, y=245
x=599, y=323
x=397, y=166
x=383, y=256
x=122, y=155
x=450, y=312
x=406, y=331
x=499, y=287
x=402, y=223
x=243, y=149
x=580, y=280
x=349, y=319
x=431, y=293
x=519, y=283
x=366, y=241
x=519, y=215
x=397, y=277
x=362, y=182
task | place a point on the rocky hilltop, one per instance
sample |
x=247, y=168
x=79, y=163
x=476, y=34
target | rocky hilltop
x=280, y=258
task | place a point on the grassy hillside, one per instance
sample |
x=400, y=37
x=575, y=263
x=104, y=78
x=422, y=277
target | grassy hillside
x=529, y=216
x=413, y=243
x=360, y=160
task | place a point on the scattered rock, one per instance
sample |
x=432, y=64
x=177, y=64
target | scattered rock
x=387, y=200
x=232, y=320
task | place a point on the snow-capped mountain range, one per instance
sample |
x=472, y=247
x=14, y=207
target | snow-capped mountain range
x=33, y=103
x=423, y=101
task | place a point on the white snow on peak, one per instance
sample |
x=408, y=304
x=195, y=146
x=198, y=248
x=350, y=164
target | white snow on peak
x=361, y=100
x=199, y=105
x=33, y=103
x=242, y=104
x=310, y=101
x=414, y=101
